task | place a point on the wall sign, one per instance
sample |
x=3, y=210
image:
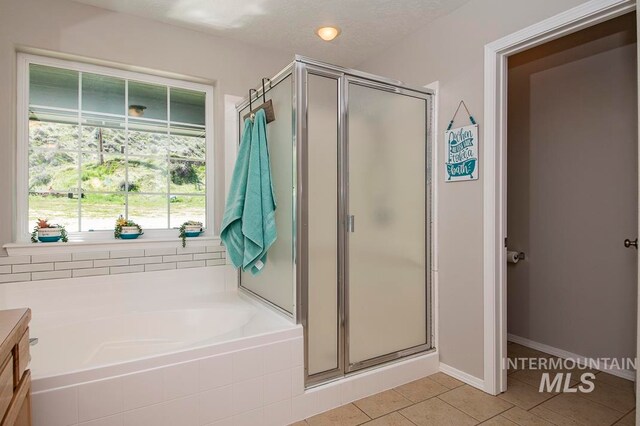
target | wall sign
x=462, y=153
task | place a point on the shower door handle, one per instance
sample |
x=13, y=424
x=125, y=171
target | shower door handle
x=351, y=223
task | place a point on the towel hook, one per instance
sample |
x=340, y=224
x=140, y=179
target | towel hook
x=264, y=92
x=250, y=102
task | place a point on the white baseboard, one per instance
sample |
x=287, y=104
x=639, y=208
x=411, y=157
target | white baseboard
x=462, y=376
x=583, y=360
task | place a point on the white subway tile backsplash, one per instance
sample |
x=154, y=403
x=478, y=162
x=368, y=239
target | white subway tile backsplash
x=9, y=278
x=180, y=380
x=215, y=371
x=32, y=267
x=297, y=381
x=297, y=351
x=215, y=404
x=206, y=256
x=14, y=260
x=51, y=275
x=54, y=257
x=160, y=266
x=80, y=264
x=249, y=418
x=127, y=253
x=160, y=251
x=91, y=255
x=191, y=249
x=192, y=264
x=99, y=399
x=142, y=389
x=111, y=262
x=88, y=263
x=90, y=272
x=145, y=260
x=125, y=269
x=177, y=258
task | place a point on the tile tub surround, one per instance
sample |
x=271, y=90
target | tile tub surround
x=261, y=385
x=83, y=263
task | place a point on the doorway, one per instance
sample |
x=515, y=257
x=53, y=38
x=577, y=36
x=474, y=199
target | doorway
x=571, y=203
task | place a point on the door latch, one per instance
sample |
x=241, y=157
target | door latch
x=628, y=243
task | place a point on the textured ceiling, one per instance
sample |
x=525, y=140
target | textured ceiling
x=289, y=25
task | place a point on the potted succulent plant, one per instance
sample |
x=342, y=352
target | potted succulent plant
x=127, y=229
x=48, y=233
x=190, y=229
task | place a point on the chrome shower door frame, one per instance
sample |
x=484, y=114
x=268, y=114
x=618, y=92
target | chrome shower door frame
x=302, y=68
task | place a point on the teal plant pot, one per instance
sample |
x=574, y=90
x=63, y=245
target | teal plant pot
x=129, y=236
x=190, y=234
x=49, y=239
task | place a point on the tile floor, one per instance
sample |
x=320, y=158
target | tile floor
x=442, y=400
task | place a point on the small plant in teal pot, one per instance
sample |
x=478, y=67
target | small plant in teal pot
x=127, y=229
x=190, y=229
x=44, y=232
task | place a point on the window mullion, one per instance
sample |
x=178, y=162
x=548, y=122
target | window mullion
x=167, y=158
x=126, y=149
x=79, y=152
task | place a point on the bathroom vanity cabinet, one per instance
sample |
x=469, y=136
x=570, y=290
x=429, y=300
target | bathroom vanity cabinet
x=15, y=378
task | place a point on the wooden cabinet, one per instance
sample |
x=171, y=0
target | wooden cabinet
x=15, y=378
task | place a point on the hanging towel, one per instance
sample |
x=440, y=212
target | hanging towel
x=258, y=217
x=231, y=228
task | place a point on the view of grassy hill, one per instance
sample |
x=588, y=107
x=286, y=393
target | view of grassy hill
x=160, y=169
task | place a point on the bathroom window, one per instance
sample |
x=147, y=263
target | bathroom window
x=100, y=142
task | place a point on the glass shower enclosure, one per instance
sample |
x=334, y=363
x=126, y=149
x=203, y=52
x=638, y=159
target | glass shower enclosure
x=350, y=155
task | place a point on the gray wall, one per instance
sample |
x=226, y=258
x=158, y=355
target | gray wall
x=77, y=29
x=572, y=191
x=451, y=50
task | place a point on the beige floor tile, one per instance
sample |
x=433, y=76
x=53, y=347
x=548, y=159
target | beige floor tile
x=382, y=403
x=446, y=380
x=436, y=412
x=582, y=410
x=347, y=415
x=525, y=418
x=393, y=419
x=612, y=380
x=628, y=420
x=499, y=421
x=300, y=423
x=421, y=389
x=553, y=417
x=476, y=403
x=523, y=395
x=618, y=398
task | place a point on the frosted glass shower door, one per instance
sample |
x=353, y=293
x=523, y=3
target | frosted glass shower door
x=387, y=287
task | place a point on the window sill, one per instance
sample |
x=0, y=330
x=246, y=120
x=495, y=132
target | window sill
x=23, y=249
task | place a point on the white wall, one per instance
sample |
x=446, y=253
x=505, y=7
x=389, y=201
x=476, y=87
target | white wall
x=77, y=29
x=450, y=50
x=572, y=148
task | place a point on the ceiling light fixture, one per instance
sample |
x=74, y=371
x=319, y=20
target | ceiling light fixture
x=328, y=33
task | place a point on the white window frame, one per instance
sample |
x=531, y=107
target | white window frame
x=23, y=227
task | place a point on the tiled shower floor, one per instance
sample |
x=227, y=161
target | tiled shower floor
x=442, y=400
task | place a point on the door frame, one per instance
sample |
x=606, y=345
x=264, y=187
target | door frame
x=495, y=165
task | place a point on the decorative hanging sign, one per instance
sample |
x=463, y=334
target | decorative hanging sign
x=462, y=150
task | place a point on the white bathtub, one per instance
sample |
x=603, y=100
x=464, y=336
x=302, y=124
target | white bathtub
x=159, y=330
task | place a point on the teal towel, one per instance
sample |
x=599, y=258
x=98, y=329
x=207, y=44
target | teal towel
x=258, y=217
x=231, y=228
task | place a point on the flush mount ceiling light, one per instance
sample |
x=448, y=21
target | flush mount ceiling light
x=328, y=33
